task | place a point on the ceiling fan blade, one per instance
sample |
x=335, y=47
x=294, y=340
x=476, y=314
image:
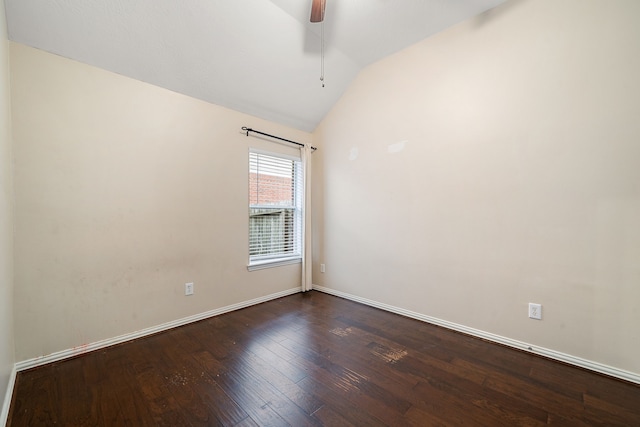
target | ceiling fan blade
x=317, y=10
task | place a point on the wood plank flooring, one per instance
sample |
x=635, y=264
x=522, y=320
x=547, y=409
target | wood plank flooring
x=313, y=359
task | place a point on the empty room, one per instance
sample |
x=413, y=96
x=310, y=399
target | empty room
x=320, y=212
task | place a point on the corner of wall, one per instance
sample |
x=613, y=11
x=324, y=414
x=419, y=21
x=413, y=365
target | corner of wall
x=7, y=345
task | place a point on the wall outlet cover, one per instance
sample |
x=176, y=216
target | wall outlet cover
x=188, y=288
x=535, y=311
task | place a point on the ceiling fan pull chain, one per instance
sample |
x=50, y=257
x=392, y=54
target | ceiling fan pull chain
x=322, y=53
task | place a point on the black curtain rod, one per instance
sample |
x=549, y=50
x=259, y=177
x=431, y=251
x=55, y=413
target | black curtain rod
x=247, y=130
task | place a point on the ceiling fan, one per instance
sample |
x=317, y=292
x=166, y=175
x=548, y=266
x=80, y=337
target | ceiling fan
x=317, y=10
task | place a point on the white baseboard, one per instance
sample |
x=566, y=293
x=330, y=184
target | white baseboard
x=4, y=415
x=64, y=354
x=552, y=354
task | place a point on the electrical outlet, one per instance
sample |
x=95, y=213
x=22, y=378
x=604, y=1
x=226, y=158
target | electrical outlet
x=535, y=311
x=188, y=288
x=321, y=268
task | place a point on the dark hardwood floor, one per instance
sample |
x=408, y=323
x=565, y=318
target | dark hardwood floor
x=314, y=359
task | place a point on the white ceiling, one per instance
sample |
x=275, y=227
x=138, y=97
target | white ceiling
x=261, y=57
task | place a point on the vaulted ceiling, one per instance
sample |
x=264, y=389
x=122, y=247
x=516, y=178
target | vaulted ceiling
x=261, y=57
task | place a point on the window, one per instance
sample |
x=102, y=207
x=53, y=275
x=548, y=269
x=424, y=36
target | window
x=275, y=209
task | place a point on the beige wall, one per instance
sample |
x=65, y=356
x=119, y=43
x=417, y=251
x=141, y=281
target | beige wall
x=518, y=179
x=124, y=192
x=6, y=217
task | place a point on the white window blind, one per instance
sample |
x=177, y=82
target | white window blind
x=275, y=207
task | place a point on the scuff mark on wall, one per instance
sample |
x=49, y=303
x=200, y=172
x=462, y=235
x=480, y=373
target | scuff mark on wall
x=396, y=147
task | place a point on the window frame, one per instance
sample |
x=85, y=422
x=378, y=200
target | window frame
x=258, y=263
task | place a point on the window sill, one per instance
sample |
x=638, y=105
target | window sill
x=269, y=263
